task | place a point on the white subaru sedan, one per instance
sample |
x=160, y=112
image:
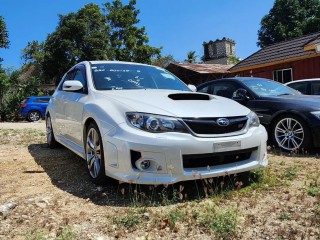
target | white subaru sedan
x=141, y=124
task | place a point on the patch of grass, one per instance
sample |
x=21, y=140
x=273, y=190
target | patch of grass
x=66, y=234
x=22, y=136
x=175, y=216
x=37, y=235
x=291, y=173
x=222, y=223
x=284, y=216
x=130, y=221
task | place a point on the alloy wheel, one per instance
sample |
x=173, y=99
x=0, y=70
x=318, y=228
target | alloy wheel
x=34, y=116
x=49, y=131
x=93, y=152
x=289, y=134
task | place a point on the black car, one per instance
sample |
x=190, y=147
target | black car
x=291, y=119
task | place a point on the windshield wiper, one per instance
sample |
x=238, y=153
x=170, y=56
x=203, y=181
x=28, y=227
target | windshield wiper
x=283, y=94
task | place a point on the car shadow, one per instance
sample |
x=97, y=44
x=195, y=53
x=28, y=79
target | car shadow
x=68, y=172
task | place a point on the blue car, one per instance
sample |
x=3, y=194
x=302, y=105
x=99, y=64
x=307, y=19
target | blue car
x=33, y=108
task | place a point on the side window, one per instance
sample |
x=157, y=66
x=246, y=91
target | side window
x=223, y=89
x=79, y=76
x=68, y=76
x=205, y=89
x=315, y=88
x=300, y=86
x=227, y=89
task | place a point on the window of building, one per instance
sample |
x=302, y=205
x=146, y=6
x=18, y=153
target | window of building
x=283, y=75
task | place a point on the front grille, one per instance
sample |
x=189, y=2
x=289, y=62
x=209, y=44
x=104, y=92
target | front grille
x=216, y=159
x=210, y=125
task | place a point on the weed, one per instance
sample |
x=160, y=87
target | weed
x=130, y=221
x=291, y=173
x=175, y=216
x=222, y=223
x=37, y=235
x=284, y=216
x=66, y=233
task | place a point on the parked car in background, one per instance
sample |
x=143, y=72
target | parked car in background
x=306, y=86
x=34, y=108
x=139, y=123
x=292, y=119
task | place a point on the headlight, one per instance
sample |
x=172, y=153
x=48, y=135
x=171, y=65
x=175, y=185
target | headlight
x=154, y=123
x=253, y=120
x=316, y=114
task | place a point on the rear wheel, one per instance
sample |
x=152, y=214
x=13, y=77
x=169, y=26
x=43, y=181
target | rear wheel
x=290, y=133
x=51, y=141
x=33, y=116
x=95, y=154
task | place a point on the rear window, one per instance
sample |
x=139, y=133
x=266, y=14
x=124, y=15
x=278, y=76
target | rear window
x=42, y=100
x=25, y=100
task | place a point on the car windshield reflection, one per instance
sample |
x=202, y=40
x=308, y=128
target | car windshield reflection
x=262, y=87
x=127, y=76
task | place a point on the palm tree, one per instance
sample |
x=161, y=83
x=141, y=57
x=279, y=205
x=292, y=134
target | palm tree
x=191, y=57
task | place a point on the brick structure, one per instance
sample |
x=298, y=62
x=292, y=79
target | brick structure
x=217, y=52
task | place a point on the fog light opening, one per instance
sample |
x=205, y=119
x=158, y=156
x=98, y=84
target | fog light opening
x=145, y=164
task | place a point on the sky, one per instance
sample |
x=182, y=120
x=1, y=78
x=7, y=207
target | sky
x=178, y=26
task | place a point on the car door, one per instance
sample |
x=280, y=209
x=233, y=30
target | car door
x=59, y=99
x=73, y=109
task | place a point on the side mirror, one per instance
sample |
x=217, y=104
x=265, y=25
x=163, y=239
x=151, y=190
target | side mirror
x=242, y=93
x=193, y=88
x=72, y=86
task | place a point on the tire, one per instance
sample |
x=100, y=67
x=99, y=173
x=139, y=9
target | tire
x=33, y=116
x=51, y=141
x=290, y=133
x=95, y=155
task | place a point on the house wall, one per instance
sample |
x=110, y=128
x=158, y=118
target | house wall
x=302, y=69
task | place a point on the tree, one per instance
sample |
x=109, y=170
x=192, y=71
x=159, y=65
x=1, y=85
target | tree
x=79, y=36
x=4, y=37
x=163, y=61
x=288, y=19
x=128, y=42
x=191, y=57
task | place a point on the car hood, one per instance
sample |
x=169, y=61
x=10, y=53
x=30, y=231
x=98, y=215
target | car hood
x=176, y=103
x=309, y=101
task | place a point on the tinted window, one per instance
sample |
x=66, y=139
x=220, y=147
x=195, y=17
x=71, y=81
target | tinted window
x=133, y=76
x=264, y=87
x=205, y=89
x=300, y=86
x=315, y=88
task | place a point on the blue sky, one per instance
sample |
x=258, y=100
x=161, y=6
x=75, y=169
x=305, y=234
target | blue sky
x=179, y=26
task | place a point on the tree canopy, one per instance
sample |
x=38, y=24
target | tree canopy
x=288, y=19
x=128, y=41
x=191, y=57
x=4, y=37
x=91, y=34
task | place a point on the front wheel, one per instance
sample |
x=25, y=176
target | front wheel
x=95, y=154
x=290, y=133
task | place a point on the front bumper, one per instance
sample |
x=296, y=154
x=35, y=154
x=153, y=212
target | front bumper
x=171, y=155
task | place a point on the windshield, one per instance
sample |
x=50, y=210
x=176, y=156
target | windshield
x=117, y=76
x=264, y=87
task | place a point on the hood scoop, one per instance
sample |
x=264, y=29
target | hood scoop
x=189, y=96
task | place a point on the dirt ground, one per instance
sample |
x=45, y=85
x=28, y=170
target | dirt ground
x=48, y=195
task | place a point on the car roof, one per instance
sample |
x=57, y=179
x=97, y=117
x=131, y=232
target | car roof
x=239, y=79
x=114, y=62
x=303, y=80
